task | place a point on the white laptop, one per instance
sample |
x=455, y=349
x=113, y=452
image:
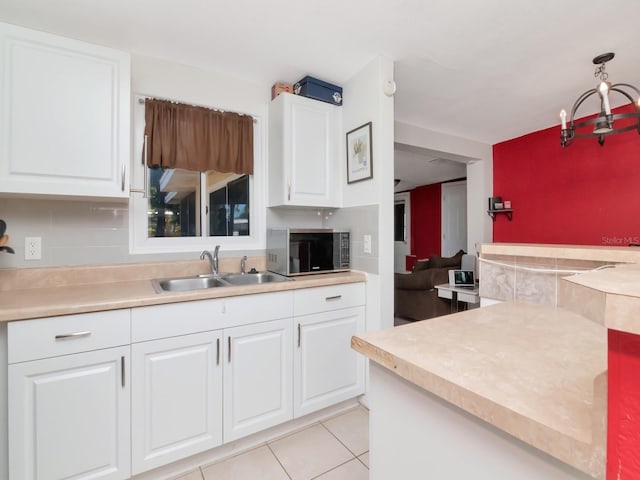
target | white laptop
x=462, y=278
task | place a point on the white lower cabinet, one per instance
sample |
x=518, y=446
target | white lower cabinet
x=257, y=377
x=208, y=372
x=326, y=369
x=69, y=417
x=107, y=395
x=176, y=397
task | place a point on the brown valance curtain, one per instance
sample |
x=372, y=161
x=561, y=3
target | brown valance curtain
x=197, y=138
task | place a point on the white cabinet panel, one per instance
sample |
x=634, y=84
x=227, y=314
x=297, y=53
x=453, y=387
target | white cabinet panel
x=176, y=397
x=257, y=377
x=170, y=320
x=65, y=116
x=303, y=152
x=326, y=369
x=69, y=417
x=331, y=297
x=67, y=334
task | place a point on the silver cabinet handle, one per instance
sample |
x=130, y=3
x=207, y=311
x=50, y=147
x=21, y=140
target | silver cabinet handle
x=298, y=335
x=145, y=189
x=123, y=175
x=146, y=169
x=289, y=192
x=335, y=297
x=122, y=370
x=229, y=341
x=218, y=351
x=68, y=336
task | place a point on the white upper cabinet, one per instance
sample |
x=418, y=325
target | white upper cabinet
x=65, y=116
x=303, y=152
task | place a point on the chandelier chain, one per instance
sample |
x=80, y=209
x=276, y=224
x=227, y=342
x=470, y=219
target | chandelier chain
x=600, y=71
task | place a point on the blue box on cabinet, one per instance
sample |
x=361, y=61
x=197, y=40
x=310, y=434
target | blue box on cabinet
x=318, y=90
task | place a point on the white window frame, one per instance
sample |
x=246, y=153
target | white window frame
x=139, y=243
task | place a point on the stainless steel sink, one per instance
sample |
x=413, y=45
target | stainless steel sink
x=185, y=284
x=254, y=278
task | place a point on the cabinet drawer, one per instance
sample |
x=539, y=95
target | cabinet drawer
x=54, y=336
x=163, y=321
x=333, y=297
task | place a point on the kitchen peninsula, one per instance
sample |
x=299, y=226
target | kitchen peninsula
x=514, y=390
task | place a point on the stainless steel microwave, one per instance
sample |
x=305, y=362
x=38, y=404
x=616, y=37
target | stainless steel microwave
x=309, y=250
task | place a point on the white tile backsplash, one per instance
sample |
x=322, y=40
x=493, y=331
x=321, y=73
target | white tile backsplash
x=83, y=232
x=360, y=221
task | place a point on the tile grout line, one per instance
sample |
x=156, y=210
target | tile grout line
x=333, y=468
x=365, y=465
x=279, y=462
x=341, y=443
x=232, y=456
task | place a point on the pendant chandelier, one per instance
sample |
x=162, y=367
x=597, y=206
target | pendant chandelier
x=603, y=124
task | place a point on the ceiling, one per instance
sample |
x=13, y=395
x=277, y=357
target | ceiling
x=414, y=166
x=486, y=70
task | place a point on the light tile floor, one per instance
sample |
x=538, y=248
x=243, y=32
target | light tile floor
x=334, y=449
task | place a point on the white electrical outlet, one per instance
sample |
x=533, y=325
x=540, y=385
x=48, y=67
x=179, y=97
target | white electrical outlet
x=366, y=241
x=33, y=248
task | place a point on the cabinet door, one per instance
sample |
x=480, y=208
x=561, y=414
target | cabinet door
x=312, y=173
x=257, y=377
x=176, y=399
x=64, y=128
x=69, y=417
x=326, y=369
x=303, y=152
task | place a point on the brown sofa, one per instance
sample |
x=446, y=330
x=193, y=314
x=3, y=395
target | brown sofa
x=415, y=296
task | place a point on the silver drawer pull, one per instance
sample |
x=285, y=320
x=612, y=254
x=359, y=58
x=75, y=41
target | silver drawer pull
x=67, y=336
x=335, y=297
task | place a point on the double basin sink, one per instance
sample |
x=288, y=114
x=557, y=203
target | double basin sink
x=199, y=282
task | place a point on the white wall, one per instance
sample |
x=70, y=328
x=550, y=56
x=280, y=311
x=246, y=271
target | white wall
x=154, y=77
x=479, y=174
x=365, y=101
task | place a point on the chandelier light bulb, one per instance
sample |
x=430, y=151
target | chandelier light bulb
x=604, y=93
x=563, y=118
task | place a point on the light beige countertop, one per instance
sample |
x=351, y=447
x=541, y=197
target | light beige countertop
x=569, y=252
x=36, y=293
x=614, y=293
x=536, y=372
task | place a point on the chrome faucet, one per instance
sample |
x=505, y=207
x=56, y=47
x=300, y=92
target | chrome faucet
x=213, y=259
x=243, y=265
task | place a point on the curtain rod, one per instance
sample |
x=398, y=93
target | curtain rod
x=142, y=100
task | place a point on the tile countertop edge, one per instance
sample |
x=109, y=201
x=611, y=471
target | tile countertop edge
x=621, y=287
x=47, y=302
x=568, y=252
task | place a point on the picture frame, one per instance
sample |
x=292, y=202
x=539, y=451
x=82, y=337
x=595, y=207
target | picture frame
x=360, y=153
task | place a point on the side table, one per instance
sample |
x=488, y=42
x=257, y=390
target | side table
x=458, y=294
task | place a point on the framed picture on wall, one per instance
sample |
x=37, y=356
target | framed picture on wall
x=360, y=154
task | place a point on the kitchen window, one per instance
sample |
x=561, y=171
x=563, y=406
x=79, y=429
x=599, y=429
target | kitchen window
x=193, y=211
x=174, y=203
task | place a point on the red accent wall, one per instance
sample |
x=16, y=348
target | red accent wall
x=426, y=223
x=589, y=195
x=583, y=194
x=623, y=434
